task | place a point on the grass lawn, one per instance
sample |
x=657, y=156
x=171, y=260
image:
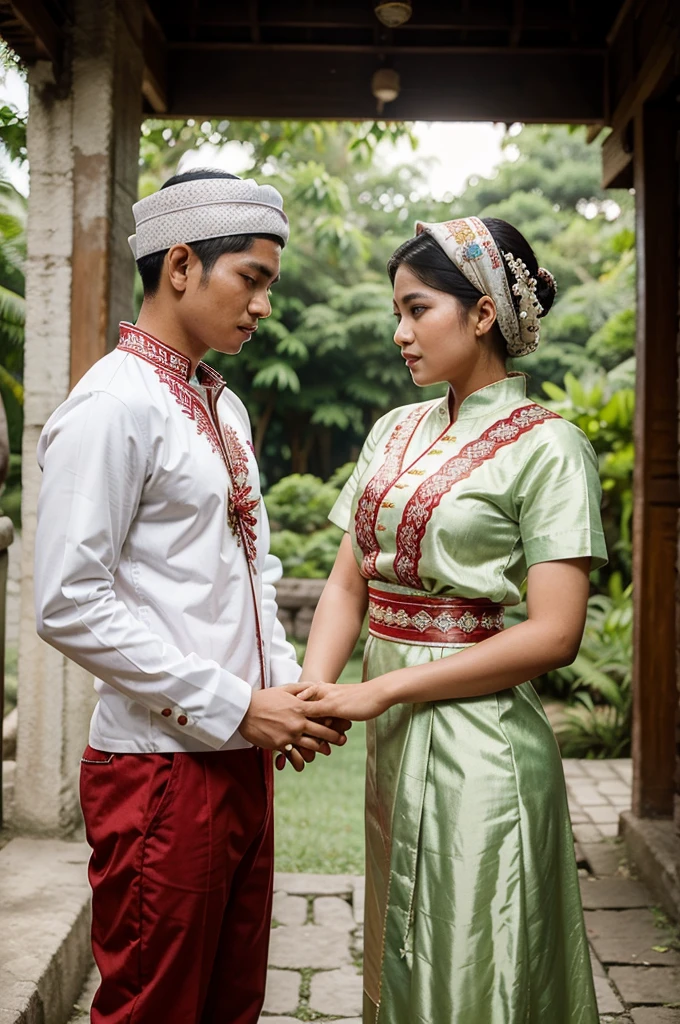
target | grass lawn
x=319, y=813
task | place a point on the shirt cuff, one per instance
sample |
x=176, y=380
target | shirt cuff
x=210, y=715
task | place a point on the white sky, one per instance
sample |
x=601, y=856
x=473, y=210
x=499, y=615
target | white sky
x=453, y=150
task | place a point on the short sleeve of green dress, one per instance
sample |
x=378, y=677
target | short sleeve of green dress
x=558, y=496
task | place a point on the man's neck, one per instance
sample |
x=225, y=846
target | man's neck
x=170, y=332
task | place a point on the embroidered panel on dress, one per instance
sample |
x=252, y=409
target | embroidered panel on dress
x=368, y=507
x=421, y=505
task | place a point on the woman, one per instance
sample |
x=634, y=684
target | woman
x=473, y=911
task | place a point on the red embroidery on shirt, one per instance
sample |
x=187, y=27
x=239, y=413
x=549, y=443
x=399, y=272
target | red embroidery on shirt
x=241, y=502
x=421, y=505
x=153, y=351
x=172, y=369
x=375, y=490
x=191, y=406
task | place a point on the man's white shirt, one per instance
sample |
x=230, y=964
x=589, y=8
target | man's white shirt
x=141, y=574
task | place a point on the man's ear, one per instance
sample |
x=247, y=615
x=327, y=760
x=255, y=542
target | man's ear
x=177, y=263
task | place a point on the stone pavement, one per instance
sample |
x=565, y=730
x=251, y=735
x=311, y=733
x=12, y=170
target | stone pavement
x=317, y=932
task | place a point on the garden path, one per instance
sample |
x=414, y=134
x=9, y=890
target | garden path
x=315, y=954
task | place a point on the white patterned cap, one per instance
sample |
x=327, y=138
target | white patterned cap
x=192, y=211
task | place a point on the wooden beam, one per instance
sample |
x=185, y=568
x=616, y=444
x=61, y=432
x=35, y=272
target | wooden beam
x=617, y=159
x=637, y=69
x=376, y=49
x=656, y=491
x=320, y=84
x=623, y=13
x=517, y=23
x=155, y=49
x=254, y=23
x=305, y=15
x=49, y=37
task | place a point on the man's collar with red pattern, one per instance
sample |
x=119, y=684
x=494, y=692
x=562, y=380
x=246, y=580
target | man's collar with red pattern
x=164, y=357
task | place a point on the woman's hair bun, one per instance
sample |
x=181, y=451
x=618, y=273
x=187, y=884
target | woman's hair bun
x=546, y=289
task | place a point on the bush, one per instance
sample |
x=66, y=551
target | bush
x=10, y=497
x=307, y=556
x=298, y=507
x=600, y=679
x=300, y=502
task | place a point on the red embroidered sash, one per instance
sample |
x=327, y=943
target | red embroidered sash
x=421, y=505
x=432, y=621
x=368, y=506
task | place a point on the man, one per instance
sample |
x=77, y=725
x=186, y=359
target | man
x=153, y=572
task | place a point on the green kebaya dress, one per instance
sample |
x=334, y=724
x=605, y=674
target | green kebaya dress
x=473, y=911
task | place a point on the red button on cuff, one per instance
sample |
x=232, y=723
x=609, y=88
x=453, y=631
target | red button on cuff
x=166, y=712
x=182, y=719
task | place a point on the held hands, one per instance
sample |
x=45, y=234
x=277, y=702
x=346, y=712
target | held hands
x=278, y=718
x=357, y=702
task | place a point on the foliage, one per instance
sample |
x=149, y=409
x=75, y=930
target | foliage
x=323, y=367
x=307, y=556
x=604, y=410
x=300, y=503
x=600, y=679
x=298, y=507
x=13, y=213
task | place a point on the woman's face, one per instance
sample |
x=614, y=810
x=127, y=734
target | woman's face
x=438, y=338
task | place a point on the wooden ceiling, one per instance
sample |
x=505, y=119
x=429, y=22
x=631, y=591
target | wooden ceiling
x=500, y=60
x=478, y=59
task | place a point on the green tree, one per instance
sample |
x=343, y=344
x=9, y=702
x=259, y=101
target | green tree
x=13, y=213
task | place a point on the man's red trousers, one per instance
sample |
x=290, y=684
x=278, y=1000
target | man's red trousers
x=181, y=875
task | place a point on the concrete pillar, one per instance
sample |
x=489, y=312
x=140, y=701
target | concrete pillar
x=83, y=153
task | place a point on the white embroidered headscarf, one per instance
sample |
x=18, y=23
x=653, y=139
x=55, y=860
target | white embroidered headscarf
x=192, y=211
x=471, y=247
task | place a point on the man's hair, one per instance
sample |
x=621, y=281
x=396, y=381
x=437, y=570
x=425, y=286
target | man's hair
x=208, y=250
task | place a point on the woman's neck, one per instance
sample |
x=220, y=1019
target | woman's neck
x=460, y=389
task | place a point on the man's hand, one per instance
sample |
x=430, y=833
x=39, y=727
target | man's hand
x=276, y=717
x=299, y=757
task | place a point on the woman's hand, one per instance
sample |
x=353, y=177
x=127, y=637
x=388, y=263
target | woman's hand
x=357, y=702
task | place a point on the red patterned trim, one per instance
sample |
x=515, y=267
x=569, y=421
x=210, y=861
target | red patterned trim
x=241, y=504
x=191, y=406
x=421, y=505
x=162, y=357
x=173, y=369
x=432, y=621
x=368, y=507
x=153, y=351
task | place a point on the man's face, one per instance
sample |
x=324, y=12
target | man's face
x=223, y=311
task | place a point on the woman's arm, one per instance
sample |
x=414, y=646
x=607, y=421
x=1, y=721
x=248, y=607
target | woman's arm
x=338, y=618
x=335, y=630
x=557, y=598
